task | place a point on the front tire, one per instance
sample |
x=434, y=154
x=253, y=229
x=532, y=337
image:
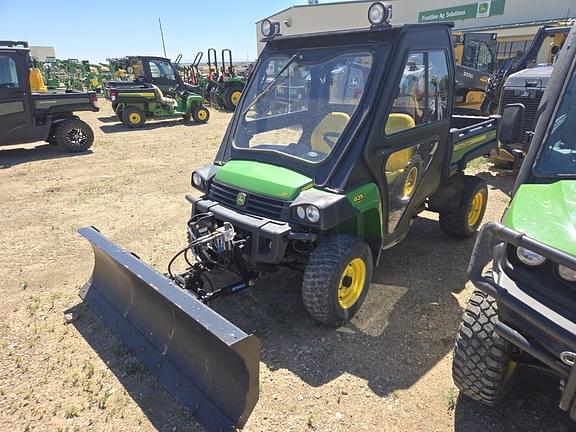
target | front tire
x=200, y=114
x=336, y=279
x=463, y=222
x=482, y=367
x=73, y=135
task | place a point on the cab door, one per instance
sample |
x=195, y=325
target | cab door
x=409, y=142
x=162, y=74
x=15, y=110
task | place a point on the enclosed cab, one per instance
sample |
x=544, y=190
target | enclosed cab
x=30, y=112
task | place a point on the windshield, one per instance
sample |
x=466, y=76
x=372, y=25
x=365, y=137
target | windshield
x=558, y=155
x=300, y=105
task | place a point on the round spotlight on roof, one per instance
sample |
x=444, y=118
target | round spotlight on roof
x=268, y=28
x=379, y=13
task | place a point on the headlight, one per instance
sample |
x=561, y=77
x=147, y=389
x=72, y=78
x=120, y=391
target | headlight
x=197, y=181
x=379, y=13
x=529, y=258
x=308, y=213
x=301, y=212
x=312, y=213
x=567, y=273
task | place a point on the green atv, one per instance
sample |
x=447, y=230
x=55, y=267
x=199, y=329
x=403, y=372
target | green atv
x=138, y=102
x=322, y=183
x=523, y=311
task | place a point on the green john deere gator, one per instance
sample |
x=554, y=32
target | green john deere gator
x=523, y=312
x=321, y=182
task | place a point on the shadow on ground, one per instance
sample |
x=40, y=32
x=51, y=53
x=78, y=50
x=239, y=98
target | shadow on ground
x=110, y=119
x=10, y=157
x=501, y=179
x=120, y=127
x=164, y=411
x=531, y=406
x=406, y=326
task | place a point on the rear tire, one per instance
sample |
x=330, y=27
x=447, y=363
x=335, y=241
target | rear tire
x=481, y=366
x=133, y=117
x=73, y=135
x=463, y=222
x=232, y=96
x=201, y=114
x=336, y=279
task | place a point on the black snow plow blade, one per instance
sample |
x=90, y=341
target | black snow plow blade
x=206, y=362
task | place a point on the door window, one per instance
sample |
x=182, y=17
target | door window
x=423, y=92
x=8, y=73
x=161, y=69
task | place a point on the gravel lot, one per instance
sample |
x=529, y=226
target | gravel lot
x=389, y=370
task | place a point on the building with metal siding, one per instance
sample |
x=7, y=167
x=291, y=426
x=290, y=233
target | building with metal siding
x=515, y=21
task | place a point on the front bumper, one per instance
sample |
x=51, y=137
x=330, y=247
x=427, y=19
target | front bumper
x=268, y=238
x=543, y=332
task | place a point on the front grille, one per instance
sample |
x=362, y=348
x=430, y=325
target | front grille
x=531, y=100
x=258, y=205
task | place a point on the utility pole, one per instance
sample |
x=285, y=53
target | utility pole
x=162, y=35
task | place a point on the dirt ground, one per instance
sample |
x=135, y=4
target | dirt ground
x=389, y=370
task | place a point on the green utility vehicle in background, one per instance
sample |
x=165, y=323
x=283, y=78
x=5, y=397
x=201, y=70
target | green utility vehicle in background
x=138, y=102
x=157, y=91
x=322, y=183
x=523, y=311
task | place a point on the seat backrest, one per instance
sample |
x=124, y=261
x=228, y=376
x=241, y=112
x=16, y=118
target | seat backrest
x=160, y=98
x=327, y=132
x=398, y=122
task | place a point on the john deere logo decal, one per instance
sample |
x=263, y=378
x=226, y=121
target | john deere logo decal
x=483, y=9
x=241, y=199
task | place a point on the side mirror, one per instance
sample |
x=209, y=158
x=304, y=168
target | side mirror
x=510, y=128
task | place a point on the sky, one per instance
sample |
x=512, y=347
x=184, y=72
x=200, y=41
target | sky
x=104, y=29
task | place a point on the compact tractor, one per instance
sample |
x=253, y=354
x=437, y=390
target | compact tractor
x=223, y=86
x=339, y=141
x=523, y=311
x=30, y=112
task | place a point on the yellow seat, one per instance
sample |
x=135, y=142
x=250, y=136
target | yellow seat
x=329, y=129
x=36, y=81
x=398, y=161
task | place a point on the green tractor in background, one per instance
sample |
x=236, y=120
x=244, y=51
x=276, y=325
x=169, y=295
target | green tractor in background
x=223, y=87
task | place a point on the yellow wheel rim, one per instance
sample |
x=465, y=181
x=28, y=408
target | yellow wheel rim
x=410, y=182
x=476, y=209
x=510, y=369
x=351, y=283
x=235, y=97
x=134, y=118
x=202, y=114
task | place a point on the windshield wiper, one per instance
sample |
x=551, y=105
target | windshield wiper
x=272, y=83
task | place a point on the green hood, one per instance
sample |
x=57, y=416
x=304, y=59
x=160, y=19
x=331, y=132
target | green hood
x=547, y=213
x=263, y=179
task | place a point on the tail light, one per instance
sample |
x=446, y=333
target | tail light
x=94, y=99
x=113, y=95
